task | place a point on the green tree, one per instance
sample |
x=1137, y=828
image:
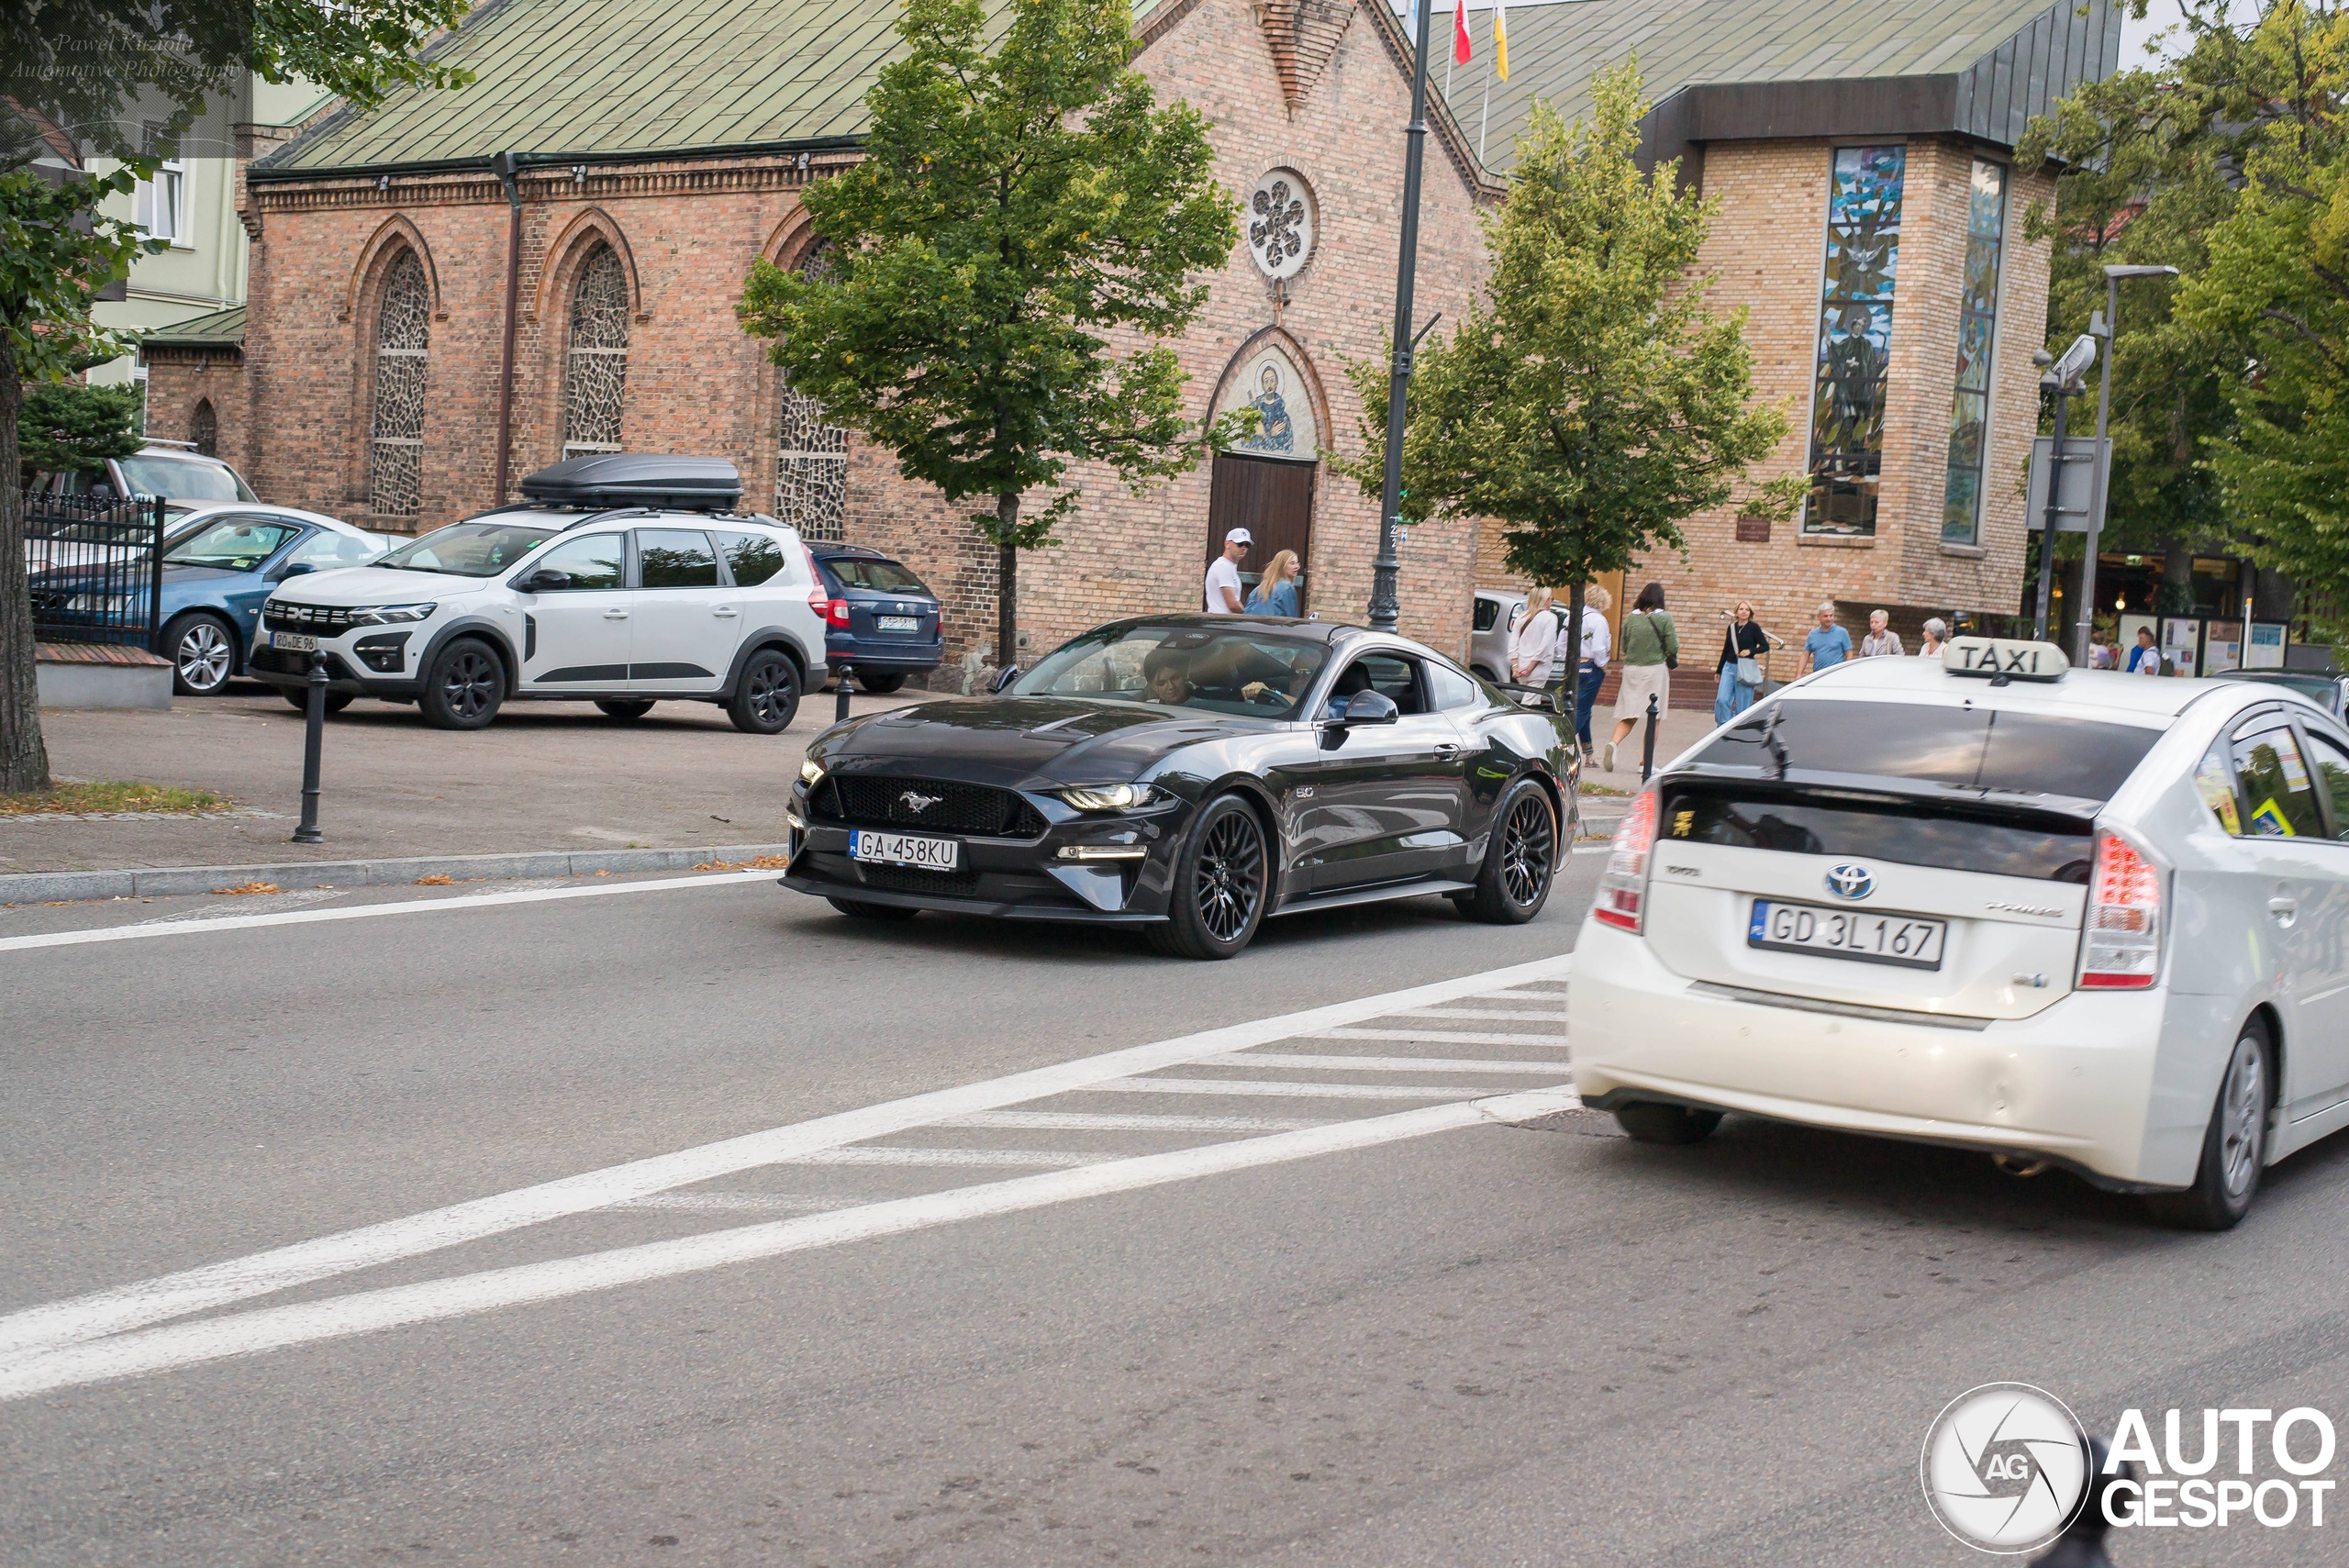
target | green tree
x=1589, y=401
x=73, y=76
x=1013, y=209
x=70, y=426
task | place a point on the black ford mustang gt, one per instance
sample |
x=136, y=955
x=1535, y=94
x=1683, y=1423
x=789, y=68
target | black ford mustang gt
x=1192, y=775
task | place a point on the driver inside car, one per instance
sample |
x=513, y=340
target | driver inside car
x=1166, y=676
x=1351, y=681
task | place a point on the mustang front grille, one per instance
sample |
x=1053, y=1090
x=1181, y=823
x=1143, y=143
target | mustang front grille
x=927, y=803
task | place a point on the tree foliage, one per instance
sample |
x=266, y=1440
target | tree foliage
x=1590, y=401
x=71, y=427
x=1015, y=207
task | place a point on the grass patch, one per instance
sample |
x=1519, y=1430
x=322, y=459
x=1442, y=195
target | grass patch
x=111, y=794
x=1604, y=790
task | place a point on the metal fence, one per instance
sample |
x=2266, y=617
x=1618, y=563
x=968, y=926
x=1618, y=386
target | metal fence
x=95, y=566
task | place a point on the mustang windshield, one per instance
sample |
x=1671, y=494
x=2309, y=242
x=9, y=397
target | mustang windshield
x=472, y=549
x=1256, y=673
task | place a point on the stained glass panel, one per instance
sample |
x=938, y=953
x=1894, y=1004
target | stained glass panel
x=1855, y=338
x=596, y=378
x=403, y=343
x=1986, y=222
x=811, y=459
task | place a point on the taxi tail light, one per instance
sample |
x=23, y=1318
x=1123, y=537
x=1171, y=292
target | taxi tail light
x=836, y=612
x=2120, y=948
x=1623, y=888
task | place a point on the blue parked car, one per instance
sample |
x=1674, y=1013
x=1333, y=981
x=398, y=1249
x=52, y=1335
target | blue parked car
x=879, y=618
x=220, y=562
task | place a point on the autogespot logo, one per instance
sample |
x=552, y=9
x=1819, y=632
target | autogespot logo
x=2005, y=1467
x=1849, y=880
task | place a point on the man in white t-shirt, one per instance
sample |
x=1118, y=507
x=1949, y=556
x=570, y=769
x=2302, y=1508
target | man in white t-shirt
x=1223, y=575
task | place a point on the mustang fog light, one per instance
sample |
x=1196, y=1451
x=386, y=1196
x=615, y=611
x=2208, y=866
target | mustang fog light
x=1103, y=852
x=1108, y=798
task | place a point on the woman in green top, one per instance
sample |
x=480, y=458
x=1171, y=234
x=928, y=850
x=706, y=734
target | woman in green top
x=1651, y=648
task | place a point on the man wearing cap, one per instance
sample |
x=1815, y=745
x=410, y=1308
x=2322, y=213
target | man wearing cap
x=1223, y=575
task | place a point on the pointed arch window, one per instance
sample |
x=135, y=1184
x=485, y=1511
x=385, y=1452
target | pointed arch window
x=205, y=428
x=595, y=373
x=403, y=343
x=811, y=456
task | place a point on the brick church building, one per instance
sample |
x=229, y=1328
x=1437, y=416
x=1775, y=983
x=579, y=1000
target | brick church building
x=607, y=182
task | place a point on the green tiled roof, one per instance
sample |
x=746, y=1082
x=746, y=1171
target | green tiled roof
x=1554, y=49
x=219, y=330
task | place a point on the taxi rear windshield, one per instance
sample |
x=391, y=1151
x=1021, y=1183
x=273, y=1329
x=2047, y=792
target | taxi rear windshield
x=1919, y=835
x=1977, y=748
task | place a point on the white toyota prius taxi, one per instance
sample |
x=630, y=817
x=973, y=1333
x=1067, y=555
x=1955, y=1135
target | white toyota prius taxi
x=2065, y=917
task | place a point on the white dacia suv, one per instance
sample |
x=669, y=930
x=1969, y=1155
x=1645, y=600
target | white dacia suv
x=620, y=579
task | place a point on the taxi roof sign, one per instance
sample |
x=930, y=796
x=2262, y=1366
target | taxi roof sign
x=2005, y=659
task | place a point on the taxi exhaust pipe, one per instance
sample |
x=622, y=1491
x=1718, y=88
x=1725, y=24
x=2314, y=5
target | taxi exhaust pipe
x=2017, y=1166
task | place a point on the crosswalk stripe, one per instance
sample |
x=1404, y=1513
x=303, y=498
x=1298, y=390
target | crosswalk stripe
x=1439, y=1037
x=1520, y=1015
x=893, y=1155
x=1385, y=1064
x=1086, y=1121
x=1276, y=1088
x=736, y=1203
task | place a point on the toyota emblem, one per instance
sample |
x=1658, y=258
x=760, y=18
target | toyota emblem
x=1849, y=880
x=918, y=802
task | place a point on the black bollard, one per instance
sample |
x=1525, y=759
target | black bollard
x=1647, y=752
x=313, y=739
x=847, y=688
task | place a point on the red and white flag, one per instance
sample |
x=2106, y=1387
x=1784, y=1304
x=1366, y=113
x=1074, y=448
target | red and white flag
x=1460, y=49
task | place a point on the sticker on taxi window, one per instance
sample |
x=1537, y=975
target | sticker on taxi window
x=2210, y=778
x=2269, y=820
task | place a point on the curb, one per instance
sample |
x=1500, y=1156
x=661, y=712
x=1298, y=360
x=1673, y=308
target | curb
x=152, y=882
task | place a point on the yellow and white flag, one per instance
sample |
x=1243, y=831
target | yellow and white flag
x=1500, y=37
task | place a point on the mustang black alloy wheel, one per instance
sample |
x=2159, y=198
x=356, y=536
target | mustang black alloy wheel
x=1521, y=859
x=767, y=698
x=1221, y=879
x=465, y=687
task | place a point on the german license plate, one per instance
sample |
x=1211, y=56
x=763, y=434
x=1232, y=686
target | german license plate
x=904, y=849
x=1902, y=939
x=293, y=641
x=898, y=623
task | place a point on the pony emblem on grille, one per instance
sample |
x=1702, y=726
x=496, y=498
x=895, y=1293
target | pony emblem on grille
x=918, y=802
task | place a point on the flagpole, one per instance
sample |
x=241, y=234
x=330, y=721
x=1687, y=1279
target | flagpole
x=1484, y=109
x=1384, y=610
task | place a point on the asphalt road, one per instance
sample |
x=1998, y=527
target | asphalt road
x=902, y=1304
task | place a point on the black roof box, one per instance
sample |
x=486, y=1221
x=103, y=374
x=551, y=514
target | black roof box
x=637, y=478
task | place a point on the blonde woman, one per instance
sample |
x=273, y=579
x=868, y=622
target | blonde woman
x=1275, y=592
x=1534, y=641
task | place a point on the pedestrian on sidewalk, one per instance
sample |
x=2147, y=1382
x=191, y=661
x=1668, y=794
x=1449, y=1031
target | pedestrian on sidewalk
x=1275, y=592
x=1533, y=641
x=1651, y=651
x=1743, y=647
x=1936, y=639
x=1830, y=644
x=1588, y=659
x=1881, y=642
x=2144, y=659
x=1222, y=592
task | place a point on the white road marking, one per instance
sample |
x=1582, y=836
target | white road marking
x=1522, y=1015
x=1441, y=1036
x=276, y=1327
x=278, y=904
x=237, y=1279
x=736, y=1203
x=181, y=928
x=1384, y=1063
x=1088, y=1121
x=870, y=1156
x=1275, y=1087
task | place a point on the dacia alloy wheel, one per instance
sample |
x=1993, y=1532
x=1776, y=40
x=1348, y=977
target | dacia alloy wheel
x=201, y=657
x=767, y=698
x=469, y=682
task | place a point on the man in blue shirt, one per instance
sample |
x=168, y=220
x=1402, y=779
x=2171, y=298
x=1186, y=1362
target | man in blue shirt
x=1830, y=644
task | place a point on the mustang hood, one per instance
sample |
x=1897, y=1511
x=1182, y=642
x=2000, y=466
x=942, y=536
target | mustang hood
x=1007, y=740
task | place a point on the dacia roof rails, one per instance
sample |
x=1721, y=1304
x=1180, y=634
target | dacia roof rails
x=599, y=480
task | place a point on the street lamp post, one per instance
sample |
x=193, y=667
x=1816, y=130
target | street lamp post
x=2112, y=279
x=1383, y=609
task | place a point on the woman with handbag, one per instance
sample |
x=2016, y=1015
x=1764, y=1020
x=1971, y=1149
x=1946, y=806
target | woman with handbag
x=1745, y=648
x=1651, y=651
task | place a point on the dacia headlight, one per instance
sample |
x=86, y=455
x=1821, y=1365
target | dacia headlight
x=1109, y=797
x=391, y=615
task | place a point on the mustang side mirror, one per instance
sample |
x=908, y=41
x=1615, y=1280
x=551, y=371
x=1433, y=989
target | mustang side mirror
x=1370, y=707
x=544, y=580
x=1003, y=679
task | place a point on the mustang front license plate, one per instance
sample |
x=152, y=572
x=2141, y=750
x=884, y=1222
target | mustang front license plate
x=899, y=623
x=1846, y=933
x=904, y=849
x=293, y=641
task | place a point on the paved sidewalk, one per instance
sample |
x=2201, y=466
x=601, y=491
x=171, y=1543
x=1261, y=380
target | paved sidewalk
x=545, y=777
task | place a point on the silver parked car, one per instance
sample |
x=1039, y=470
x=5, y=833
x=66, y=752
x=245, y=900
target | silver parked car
x=1496, y=612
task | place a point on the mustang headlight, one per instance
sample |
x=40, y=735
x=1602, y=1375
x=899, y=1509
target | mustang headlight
x=1109, y=797
x=391, y=615
x=812, y=773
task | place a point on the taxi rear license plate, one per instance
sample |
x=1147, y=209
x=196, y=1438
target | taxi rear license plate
x=898, y=623
x=1871, y=937
x=293, y=641
x=904, y=849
